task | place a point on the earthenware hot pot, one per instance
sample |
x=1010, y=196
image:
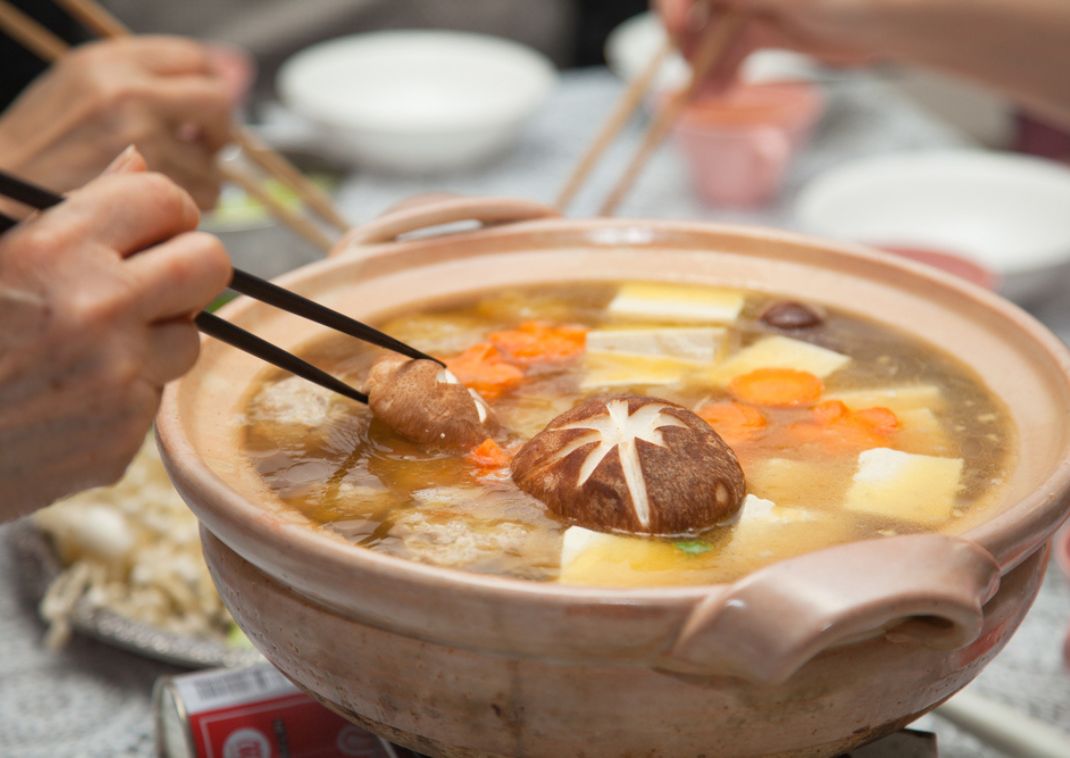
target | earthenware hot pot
x=809, y=656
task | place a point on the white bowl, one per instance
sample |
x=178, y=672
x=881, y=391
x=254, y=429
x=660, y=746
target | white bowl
x=1010, y=213
x=417, y=101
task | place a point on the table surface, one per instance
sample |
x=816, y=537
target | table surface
x=92, y=700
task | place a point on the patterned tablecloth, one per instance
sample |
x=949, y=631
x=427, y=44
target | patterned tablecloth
x=93, y=700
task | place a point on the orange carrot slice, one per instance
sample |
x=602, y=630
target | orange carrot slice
x=839, y=430
x=539, y=342
x=483, y=368
x=881, y=420
x=488, y=455
x=735, y=422
x=782, y=387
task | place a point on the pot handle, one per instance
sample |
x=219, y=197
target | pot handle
x=435, y=209
x=923, y=588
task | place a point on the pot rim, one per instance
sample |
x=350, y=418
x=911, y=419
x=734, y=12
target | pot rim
x=1034, y=516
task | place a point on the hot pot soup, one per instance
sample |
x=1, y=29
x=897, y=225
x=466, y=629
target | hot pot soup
x=844, y=430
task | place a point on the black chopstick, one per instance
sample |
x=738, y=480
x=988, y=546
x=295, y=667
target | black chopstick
x=224, y=331
x=272, y=294
x=257, y=288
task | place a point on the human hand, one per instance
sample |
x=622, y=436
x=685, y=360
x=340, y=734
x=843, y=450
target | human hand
x=839, y=32
x=160, y=94
x=96, y=303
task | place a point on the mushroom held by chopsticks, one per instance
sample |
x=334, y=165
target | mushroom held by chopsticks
x=632, y=464
x=425, y=403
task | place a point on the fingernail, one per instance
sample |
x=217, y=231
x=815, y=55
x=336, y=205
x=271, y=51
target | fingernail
x=124, y=161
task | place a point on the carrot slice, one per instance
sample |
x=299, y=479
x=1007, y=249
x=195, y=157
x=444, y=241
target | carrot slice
x=735, y=422
x=488, y=455
x=839, y=430
x=882, y=420
x=483, y=368
x=776, y=387
x=539, y=342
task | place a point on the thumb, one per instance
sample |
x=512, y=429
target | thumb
x=129, y=161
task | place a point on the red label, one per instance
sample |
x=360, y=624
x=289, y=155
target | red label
x=290, y=726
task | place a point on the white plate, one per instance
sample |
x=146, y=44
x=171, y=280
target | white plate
x=417, y=101
x=1010, y=213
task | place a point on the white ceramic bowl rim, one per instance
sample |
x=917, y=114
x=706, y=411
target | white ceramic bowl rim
x=428, y=81
x=886, y=199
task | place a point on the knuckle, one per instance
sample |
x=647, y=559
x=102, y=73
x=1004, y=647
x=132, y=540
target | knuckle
x=211, y=258
x=166, y=199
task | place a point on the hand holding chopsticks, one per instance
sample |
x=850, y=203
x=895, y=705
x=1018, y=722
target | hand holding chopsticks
x=718, y=39
x=259, y=289
x=49, y=47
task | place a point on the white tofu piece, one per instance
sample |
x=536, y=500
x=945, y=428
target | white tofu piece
x=905, y=486
x=623, y=369
x=678, y=303
x=763, y=532
x=700, y=344
x=920, y=431
x=781, y=352
x=905, y=398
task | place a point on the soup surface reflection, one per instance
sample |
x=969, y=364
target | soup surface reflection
x=845, y=430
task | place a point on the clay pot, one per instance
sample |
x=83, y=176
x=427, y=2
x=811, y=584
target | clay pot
x=809, y=656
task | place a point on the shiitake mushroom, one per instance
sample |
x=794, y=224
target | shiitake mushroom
x=425, y=403
x=789, y=314
x=634, y=464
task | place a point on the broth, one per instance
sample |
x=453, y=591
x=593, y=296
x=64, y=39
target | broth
x=902, y=439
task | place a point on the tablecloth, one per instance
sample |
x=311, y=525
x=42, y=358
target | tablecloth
x=92, y=700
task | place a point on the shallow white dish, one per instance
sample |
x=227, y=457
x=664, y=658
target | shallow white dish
x=1010, y=213
x=417, y=101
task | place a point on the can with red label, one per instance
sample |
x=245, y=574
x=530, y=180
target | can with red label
x=254, y=712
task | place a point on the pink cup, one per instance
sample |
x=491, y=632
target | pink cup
x=739, y=144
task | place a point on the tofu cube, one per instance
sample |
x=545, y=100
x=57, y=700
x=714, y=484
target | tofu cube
x=905, y=398
x=625, y=370
x=700, y=344
x=920, y=431
x=676, y=303
x=919, y=489
x=781, y=352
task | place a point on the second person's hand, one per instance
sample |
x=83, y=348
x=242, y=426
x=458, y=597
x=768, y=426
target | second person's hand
x=161, y=94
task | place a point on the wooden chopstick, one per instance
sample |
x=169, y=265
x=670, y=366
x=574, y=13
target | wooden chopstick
x=39, y=198
x=106, y=25
x=277, y=208
x=247, y=342
x=39, y=40
x=622, y=111
x=49, y=47
x=714, y=45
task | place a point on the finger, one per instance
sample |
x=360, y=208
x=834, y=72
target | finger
x=197, y=100
x=674, y=15
x=129, y=161
x=169, y=56
x=194, y=168
x=179, y=277
x=171, y=350
x=122, y=212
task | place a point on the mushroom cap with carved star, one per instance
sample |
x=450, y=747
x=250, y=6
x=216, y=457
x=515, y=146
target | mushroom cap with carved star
x=425, y=403
x=629, y=463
